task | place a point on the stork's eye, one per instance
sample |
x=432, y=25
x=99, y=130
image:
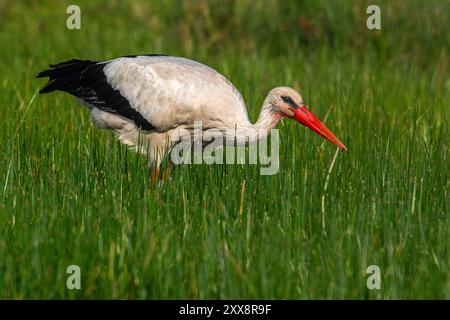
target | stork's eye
x=290, y=102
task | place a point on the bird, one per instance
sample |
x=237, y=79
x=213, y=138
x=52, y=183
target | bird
x=150, y=97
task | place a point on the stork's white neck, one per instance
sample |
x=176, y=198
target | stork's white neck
x=260, y=129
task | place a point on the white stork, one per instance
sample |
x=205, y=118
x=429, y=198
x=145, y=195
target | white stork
x=151, y=96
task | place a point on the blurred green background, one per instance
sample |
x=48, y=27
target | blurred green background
x=71, y=194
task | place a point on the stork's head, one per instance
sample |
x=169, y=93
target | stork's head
x=288, y=103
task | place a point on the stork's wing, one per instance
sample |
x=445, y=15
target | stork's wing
x=156, y=92
x=86, y=80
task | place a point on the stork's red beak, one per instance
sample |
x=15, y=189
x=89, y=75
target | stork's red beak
x=307, y=118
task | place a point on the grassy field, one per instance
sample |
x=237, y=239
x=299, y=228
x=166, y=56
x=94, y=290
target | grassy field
x=72, y=194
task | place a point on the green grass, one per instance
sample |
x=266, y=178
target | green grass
x=71, y=194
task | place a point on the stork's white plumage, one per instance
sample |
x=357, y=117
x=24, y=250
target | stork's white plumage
x=150, y=97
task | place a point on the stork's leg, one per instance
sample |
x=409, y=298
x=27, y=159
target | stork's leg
x=158, y=151
x=159, y=175
x=154, y=176
x=166, y=174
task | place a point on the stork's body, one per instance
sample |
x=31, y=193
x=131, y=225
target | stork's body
x=146, y=99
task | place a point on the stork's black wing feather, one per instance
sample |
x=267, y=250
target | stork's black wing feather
x=86, y=80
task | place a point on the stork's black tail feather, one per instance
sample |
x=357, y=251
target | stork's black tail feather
x=65, y=76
